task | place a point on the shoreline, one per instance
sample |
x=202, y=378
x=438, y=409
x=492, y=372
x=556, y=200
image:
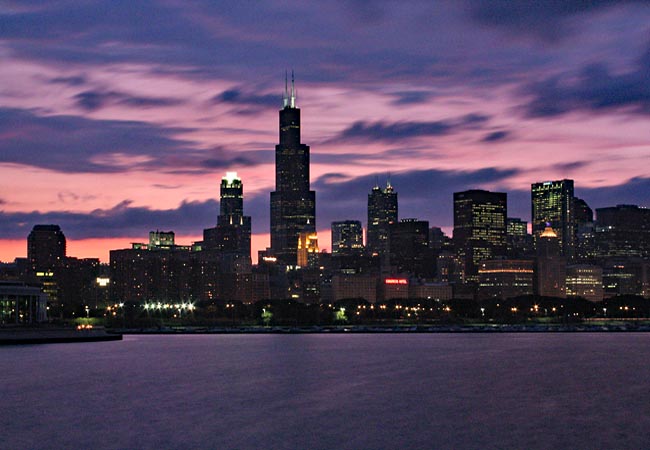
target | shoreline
x=613, y=328
x=29, y=336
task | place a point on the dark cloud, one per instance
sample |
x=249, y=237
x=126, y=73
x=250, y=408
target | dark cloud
x=635, y=191
x=123, y=220
x=546, y=19
x=496, y=136
x=226, y=163
x=571, y=166
x=423, y=194
x=238, y=97
x=94, y=100
x=70, y=81
x=76, y=145
x=388, y=132
x=595, y=89
x=411, y=97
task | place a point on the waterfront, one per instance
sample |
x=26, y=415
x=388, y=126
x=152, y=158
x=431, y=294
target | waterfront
x=523, y=390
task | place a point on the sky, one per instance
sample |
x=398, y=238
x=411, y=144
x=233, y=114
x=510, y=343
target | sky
x=120, y=117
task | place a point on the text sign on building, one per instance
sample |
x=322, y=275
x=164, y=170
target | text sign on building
x=396, y=281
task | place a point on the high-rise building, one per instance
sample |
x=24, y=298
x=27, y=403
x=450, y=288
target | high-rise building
x=585, y=244
x=293, y=205
x=479, y=228
x=307, y=254
x=409, y=248
x=520, y=243
x=46, y=247
x=46, y=253
x=623, y=230
x=233, y=231
x=553, y=205
x=550, y=268
x=347, y=237
x=382, y=211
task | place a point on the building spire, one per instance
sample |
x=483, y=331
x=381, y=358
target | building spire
x=285, y=97
x=293, y=91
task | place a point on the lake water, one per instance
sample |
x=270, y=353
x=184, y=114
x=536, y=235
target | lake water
x=311, y=391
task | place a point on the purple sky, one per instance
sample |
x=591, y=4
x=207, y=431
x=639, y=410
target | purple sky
x=120, y=117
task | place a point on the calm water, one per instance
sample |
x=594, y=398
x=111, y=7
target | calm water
x=566, y=390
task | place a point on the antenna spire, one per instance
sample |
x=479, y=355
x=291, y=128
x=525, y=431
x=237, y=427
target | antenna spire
x=293, y=91
x=285, y=97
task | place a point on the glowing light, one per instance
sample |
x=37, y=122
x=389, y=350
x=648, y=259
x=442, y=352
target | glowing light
x=396, y=281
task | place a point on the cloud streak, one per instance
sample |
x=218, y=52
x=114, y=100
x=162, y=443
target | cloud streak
x=399, y=131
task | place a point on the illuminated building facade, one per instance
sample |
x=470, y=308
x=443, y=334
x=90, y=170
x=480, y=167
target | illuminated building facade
x=151, y=272
x=293, y=205
x=394, y=288
x=520, y=243
x=382, y=211
x=233, y=231
x=550, y=265
x=479, y=228
x=553, y=205
x=505, y=278
x=46, y=252
x=347, y=237
x=307, y=252
x=21, y=303
x=585, y=280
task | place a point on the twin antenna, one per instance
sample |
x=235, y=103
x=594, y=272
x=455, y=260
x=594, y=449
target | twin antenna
x=289, y=100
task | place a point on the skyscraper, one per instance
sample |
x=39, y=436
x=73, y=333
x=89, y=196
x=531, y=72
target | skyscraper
x=293, y=205
x=347, y=237
x=550, y=267
x=479, y=228
x=382, y=211
x=553, y=205
x=46, y=247
x=409, y=248
x=623, y=230
x=233, y=231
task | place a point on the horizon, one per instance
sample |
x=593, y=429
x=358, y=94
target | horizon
x=128, y=124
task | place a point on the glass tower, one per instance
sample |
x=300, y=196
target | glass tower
x=382, y=211
x=552, y=205
x=293, y=205
x=479, y=227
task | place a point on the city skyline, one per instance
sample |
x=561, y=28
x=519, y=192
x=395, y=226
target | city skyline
x=122, y=128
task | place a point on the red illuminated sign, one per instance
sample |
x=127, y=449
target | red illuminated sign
x=396, y=281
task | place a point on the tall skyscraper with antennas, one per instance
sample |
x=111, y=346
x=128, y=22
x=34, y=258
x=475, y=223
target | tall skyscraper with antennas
x=293, y=205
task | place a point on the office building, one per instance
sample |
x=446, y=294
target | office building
x=550, y=266
x=623, y=230
x=46, y=247
x=553, y=205
x=233, y=231
x=307, y=251
x=584, y=280
x=519, y=242
x=382, y=211
x=293, y=204
x=347, y=237
x=409, y=248
x=505, y=278
x=479, y=228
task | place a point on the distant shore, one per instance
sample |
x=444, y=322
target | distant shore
x=481, y=328
x=48, y=335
